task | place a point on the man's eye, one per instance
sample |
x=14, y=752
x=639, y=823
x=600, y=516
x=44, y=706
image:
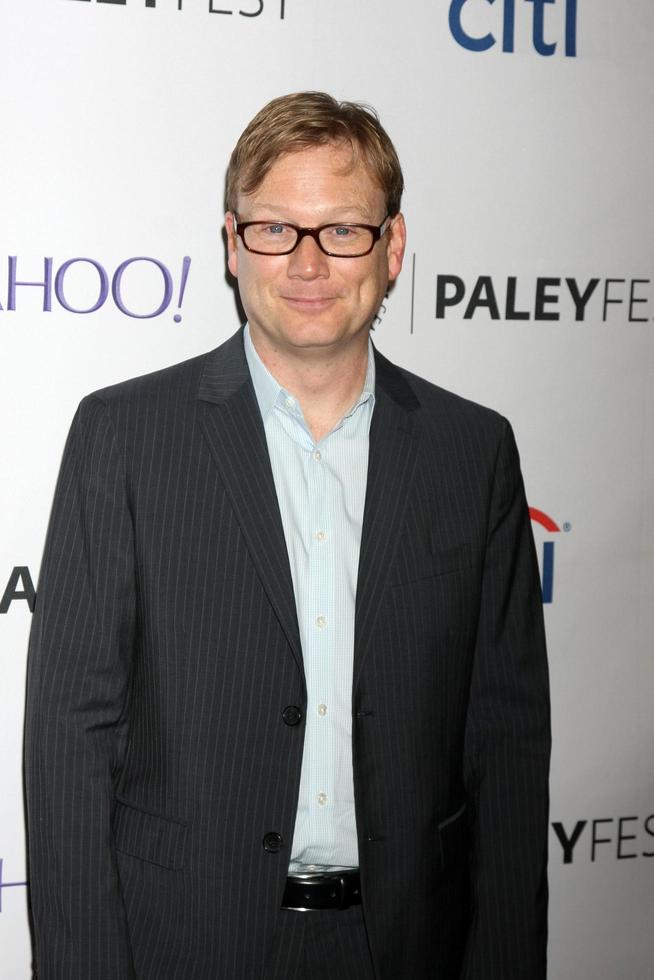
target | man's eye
x=343, y=231
x=274, y=229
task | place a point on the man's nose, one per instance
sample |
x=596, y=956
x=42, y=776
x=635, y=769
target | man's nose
x=308, y=261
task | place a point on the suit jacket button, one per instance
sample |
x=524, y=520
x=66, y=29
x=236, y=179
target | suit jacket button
x=292, y=715
x=272, y=842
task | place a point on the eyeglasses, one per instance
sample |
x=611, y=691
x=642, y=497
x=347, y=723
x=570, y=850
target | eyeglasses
x=345, y=241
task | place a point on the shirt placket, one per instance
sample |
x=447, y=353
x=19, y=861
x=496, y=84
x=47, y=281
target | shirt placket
x=320, y=629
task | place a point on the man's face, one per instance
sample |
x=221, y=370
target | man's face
x=309, y=300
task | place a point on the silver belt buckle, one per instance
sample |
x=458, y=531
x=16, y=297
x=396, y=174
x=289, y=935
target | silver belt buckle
x=304, y=876
x=339, y=883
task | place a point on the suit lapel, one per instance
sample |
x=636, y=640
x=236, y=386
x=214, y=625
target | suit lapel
x=393, y=453
x=232, y=425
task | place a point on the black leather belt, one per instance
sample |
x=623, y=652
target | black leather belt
x=333, y=890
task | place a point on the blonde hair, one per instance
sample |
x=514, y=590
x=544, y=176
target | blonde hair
x=306, y=119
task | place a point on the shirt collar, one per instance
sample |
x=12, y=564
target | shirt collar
x=266, y=388
x=269, y=392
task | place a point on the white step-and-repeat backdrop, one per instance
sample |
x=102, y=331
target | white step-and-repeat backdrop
x=526, y=132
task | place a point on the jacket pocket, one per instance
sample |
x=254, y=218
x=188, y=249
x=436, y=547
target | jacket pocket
x=149, y=836
x=453, y=838
x=438, y=563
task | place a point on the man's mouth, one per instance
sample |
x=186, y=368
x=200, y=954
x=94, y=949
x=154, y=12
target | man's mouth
x=309, y=302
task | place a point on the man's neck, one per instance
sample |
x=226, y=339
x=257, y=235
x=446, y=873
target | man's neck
x=326, y=382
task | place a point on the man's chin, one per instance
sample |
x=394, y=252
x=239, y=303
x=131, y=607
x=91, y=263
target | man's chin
x=316, y=336
x=302, y=331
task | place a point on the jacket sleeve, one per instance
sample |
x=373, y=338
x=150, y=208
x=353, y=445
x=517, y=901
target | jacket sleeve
x=76, y=720
x=508, y=745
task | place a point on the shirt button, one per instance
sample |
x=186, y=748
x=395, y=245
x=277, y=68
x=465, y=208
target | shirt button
x=321, y=622
x=322, y=798
x=322, y=710
x=320, y=535
x=290, y=402
x=317, y=455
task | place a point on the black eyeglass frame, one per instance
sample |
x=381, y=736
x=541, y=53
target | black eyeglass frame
x=375, y=230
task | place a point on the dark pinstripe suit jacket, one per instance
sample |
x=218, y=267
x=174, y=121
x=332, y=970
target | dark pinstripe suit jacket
x=162, y=780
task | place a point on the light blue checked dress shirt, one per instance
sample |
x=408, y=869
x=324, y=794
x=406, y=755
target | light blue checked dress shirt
x=321, y=490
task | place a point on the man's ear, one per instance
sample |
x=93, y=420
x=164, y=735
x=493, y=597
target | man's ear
x=395, y=246
x=232, y=243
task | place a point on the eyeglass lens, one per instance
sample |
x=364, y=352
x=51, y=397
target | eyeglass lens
x=273, y=239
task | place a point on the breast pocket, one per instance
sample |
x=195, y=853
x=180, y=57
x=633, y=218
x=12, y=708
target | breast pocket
x=416, y=568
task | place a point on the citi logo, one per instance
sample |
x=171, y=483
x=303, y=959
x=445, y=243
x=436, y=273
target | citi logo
x=475, y=33
x=545, y=522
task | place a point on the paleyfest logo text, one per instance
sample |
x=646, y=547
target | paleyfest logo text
x=622, y=838
x=246, y=8
x=544, y=299
x=83, y=285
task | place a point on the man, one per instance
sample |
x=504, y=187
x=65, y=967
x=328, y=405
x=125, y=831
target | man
x=287, y=703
